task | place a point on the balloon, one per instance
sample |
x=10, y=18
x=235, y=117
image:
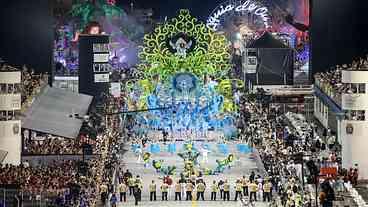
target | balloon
x=230, y=132
x=228, y=105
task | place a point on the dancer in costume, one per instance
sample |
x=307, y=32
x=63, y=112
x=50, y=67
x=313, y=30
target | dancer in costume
x=139, y=153
x=146, y=158
x=137, y=149
x=204, y=152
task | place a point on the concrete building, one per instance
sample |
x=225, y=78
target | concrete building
x=10, y=107
x=342, y=107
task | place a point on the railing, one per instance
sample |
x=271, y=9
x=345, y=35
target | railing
x=329, y=91
x=16, y=197
x=39, y=160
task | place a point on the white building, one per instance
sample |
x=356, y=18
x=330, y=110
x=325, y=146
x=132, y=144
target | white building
x=10, y=107
x=345, y=112
x=354, y=127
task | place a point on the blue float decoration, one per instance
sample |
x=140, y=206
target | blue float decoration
x=223, y=148
x=189, y=105
x=184, y=82
x=135, y=148
x=243, y=148
x=155, y=148
x=171, y=148
x=206, y=146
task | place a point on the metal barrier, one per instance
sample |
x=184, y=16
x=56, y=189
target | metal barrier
x=14, y=197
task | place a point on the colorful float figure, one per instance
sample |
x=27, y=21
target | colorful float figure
x=185, y=66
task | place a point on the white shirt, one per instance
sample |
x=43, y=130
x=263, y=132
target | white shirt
x=260, y=187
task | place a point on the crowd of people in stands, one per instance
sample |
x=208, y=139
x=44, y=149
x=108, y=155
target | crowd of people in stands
x=330, y=82
x=52, y=179
x=32, y=84
x=270, y=135
x=47, y=144
x=282, y=149
x=52, y=146
x=67, y=183
x=359, y=64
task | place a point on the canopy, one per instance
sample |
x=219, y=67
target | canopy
x=275, y=61
x=53, y=112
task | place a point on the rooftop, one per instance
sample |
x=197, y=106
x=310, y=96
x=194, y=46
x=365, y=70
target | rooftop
x=8, y=68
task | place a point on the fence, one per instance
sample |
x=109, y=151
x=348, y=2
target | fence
x=15, y=197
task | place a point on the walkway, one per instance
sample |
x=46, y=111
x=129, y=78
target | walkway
x=190, y=204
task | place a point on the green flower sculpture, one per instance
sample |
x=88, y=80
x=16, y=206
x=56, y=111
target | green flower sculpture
x=209, y=55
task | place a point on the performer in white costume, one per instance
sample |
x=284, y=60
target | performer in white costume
x=204, y=153
x=139, y=153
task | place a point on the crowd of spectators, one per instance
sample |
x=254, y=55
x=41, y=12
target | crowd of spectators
x=282, y=149
x=330, y=82
x=52, y=179
x=46, y=144
x=52, y=146
x=69, y=183
x=62, y=183
x=32, y=84
x=283, y=146
x=359, y=64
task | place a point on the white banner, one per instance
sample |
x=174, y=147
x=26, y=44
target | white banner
x=354, y=101
x=102, y=78
x=251, y=66
x=10, y=102
x=115, y=89
x=101, y=58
